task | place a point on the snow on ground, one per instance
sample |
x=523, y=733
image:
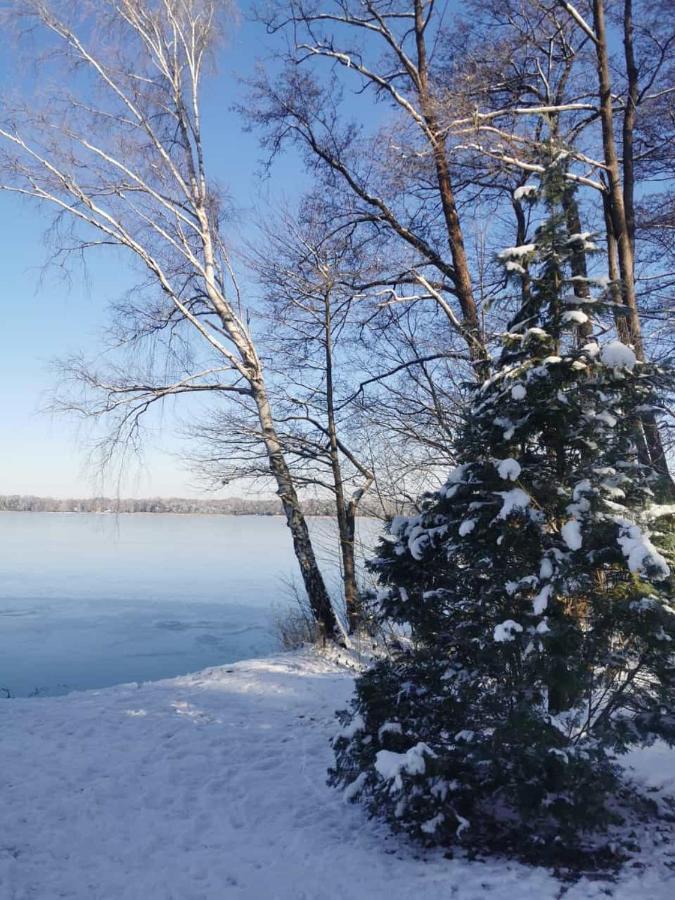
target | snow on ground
x=212, y=787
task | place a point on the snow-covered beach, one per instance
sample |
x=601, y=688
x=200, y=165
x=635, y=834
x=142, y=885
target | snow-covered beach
x=212, y=786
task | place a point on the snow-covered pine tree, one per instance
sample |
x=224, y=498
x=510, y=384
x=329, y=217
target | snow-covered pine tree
x=540, y=613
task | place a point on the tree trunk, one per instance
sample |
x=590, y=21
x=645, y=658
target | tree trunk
x=346, y=532
x=528, y=306
x=617, y=209
x=629, y=117
x=319, y=599
x=616, y=214
x=622, y=327
x=462, y=277
x=352, y=599
x=345, y=521
x=317, y=594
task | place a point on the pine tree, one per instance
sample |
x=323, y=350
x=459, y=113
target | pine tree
x=541, y=615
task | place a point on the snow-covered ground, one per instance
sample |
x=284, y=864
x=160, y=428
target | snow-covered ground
x=212, y=787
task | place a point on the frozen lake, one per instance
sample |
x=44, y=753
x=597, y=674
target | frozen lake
x=92, y=600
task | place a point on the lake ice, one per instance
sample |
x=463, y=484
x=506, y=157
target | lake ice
x=92, y=600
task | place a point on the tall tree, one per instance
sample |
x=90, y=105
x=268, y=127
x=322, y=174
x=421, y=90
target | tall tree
x=360, y=379
x=119, y=155
x=387, y=48
x=620, y=190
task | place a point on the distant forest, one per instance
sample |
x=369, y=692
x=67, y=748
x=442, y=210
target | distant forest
x=228, y=506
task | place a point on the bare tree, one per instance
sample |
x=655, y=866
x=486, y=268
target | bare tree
x=549, y=76
x=308, y=304
x=307, y=278
x=358, y=406
x=386, y=49
x=620, y=180
x=118, y=154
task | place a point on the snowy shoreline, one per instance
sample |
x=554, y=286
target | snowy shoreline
x=211, y=786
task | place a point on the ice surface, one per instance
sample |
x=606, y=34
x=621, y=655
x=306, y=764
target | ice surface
x=96, y=600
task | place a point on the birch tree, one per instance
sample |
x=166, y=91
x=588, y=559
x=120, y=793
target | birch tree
x=118, y=154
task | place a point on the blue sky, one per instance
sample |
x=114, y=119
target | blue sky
x=46, y=317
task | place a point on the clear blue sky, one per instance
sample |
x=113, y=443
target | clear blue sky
x=45, y=317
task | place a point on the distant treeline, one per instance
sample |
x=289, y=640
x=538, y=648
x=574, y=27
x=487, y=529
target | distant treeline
x=229, y=506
